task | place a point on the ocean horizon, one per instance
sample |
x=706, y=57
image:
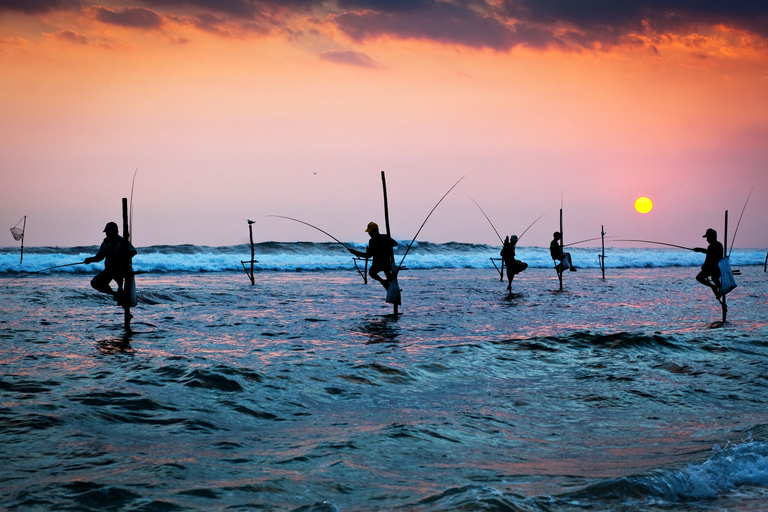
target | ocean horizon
x=307, y=256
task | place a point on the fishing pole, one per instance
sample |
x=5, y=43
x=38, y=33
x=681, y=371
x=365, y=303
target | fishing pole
x=489, y=220
x=740, y=216
x=425, y=221
x=130, y=216
x=44, y=269
x=596, y=238
x=658, y=243
x=314, y=227
x=529, y=227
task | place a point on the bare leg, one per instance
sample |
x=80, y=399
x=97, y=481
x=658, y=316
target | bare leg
x=384, y=282
x=101, y=283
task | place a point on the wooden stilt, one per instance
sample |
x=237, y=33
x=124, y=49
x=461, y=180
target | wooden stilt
x=725, y=253
x=23, y=232
x=253, y=256
x=127, y=238
x=602, y=256
x=500, y=270
x=250, y=233
x=363, y=273
x=386, y=221
x=559, y=267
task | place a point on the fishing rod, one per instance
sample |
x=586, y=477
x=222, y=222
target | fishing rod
x=44, y=269
x=425, y=221
x=130, y=217
x=598, y=238
x=529, y=227
x=657, y=243
x=740, y=216
x=314, y=227
x=494, y=227
x=489, y=220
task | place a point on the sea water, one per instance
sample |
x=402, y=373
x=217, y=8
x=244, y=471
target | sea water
x=304, y=392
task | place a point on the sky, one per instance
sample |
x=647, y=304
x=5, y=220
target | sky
x=229, y=110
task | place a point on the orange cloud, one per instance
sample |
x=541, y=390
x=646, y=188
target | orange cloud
x=129, y=17
x=349, y=57
x=71, y=36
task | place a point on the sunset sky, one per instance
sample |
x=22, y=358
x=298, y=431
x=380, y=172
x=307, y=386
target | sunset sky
x=238, y=109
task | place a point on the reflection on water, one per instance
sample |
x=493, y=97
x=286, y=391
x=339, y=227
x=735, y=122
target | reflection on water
x=121, y=345
x=383, y=329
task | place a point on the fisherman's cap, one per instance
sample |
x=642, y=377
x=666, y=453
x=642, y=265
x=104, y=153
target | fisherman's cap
x=110, y=226
x=371, y=227
x=709, y=232
x=513, y=238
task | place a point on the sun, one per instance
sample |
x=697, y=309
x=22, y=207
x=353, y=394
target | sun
x=643, y=205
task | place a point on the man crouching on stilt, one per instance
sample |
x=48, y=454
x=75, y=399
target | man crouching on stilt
x=380, y=251
x=714, y=252
x=113, y=251
x=514, y=266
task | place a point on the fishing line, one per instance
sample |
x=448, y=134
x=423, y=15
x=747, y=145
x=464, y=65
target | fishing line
x=737, y=224
x=657, y=243
x=425, y=221
x=489, y=220
x=310, y=225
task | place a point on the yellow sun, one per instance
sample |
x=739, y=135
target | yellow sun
x=643, y=204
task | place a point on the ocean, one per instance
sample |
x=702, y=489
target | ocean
x=303, y=392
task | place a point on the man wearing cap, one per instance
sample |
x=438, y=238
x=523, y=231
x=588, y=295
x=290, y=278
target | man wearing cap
x=116, y=255
x=556, y=251
x=514, y=266
x=714, y=252
x=380, y=251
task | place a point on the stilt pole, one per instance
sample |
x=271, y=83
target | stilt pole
x=250, y=232
x=127, y=239
x=602, y=257
x=559, y=267
x=386, y=219
x=23, y=232
x=725, y=253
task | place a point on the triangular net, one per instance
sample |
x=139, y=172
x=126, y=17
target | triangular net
x=17, y=233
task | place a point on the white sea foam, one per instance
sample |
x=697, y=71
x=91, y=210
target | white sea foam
x=730, y=467
x=273, y=256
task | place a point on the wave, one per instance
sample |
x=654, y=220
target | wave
x=309, y=256
x=739, y=468
x=729, y=468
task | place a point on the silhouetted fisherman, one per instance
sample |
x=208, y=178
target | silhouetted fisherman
x=380, y=251
x=514, y=266
x=710, y=269
x=116, y=257
x=562, y=259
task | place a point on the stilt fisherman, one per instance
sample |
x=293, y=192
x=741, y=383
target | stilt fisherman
x=116, y=257
x=710, y=268
x=562, y=259
x=514, y=266
x=380, y=251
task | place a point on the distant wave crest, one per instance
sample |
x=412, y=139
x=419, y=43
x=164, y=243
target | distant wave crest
x=309, y=256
